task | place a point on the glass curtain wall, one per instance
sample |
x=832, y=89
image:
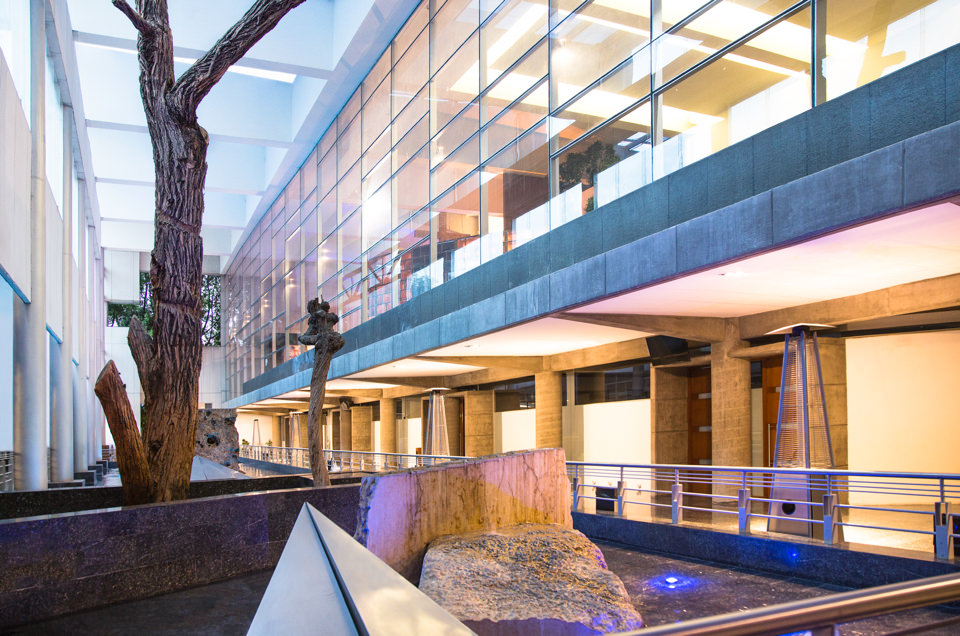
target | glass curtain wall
x=485, y=123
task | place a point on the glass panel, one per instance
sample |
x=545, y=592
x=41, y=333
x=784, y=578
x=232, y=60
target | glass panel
x=327, y=265
x=413, y=231
x=593, y=168
x=411, y=72
x=456, y=84
x=329, y=290
x=329, y=139
x=451, y=26
x=749, y=89
x=413, y=185
x=412, y=143
x=515, y=183
x=453, y=136
x=511, y=123
x=720, y=25
x=624, y=88
x=349, y=191
x=292, y=291
x=348, y=146
x=410, y=30
x=867, y=39
x=515, y=83
x=350, y=110
x=308, y=174
x=309, y=232
x=350, y=238
x=413, y=113
x=328, y=215
x=376, y=113
x=457, y=165
x=458, y=214
x=509, y=33
x=414, y=266
x=376, y=152
x=327, y=173
x=373, y=79
x=309, y=273
x=352, y=287
x=292, y=251
x=594, y=40
x=292, y=197
x=377, y=216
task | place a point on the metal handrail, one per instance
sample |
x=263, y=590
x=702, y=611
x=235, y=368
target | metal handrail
x=820, y=613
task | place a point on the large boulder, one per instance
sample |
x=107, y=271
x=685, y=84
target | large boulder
x=527, y=579
x=403, y=511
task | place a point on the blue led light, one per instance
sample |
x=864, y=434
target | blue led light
x=673, y=582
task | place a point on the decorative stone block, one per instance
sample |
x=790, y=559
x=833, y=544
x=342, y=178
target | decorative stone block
x=527, y=578
x=403, y=511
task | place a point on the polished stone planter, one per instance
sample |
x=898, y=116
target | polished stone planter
x=61, y=563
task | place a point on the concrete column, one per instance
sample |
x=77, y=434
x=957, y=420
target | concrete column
x=30, y=320
x=346, y=430
x=61, y=439
x=730, y=388
x=361, y=428
x=388, y=425
x=572, y=422
x=99, y=326
x=335, y=430
x=478, y=414
x=548, y=388
x=669, y=430
x=81, y=422
x=833, y=365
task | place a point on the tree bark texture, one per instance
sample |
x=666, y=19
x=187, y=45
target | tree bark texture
x=169, y=363
x=326, y=342
x=123, y=426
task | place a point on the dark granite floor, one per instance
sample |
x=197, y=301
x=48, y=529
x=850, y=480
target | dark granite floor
x=224, y=608
x=669, y=590
x=663, y=589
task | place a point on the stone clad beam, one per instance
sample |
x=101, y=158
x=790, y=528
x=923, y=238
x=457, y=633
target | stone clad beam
x=730, y=388
x=361, y=428
x=403, y=511
x=478, y=410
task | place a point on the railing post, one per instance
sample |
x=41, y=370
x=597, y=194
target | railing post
x=576, y=492
x=830, y=518
x=941, y=529
x=676, y=503
x=621, y=486
x=743, y=511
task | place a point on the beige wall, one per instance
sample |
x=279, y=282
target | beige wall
x=514, y=430
x=901, y=403
x=245, y=426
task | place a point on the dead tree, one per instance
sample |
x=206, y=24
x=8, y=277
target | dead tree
x=326, y=342
x=169, y=362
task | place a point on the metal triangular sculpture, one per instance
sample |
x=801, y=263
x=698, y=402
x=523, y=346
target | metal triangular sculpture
x=437, y=442
x=327, y=583
x=803, y=438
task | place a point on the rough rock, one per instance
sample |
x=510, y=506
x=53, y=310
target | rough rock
x=403, y=511
x=528, y=578
x=217, y=437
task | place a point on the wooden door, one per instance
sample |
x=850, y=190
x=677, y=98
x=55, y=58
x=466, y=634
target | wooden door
x=771, y=374
x=699, y=435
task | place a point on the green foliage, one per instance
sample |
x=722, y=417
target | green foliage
x=119, y=315
x=580, y=167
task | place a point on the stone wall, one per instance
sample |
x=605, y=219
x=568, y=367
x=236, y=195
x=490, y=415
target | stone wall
x=403, y=511
x=217, y=437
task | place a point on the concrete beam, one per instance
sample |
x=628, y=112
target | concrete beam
x=532, y=364
x=687, y=327
x=772, y=350
x=923, y=295
x=603, y=354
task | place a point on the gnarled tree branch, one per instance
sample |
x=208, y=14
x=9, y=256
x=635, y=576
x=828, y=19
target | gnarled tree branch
x=197, y=81
x=132, y=460
x=135, y=18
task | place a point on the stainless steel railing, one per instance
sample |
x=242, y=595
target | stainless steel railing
x=820, y=616
x=914, y=503
x=342, y=460
x=906, y=504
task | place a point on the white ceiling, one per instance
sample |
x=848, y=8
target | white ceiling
x=901, y=249
x=263, y=117
x=543, y=337
x=412, y=368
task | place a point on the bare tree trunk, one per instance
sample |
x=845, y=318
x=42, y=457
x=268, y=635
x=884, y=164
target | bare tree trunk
x=123, y=426
x=326, y=342
x=169, y=363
